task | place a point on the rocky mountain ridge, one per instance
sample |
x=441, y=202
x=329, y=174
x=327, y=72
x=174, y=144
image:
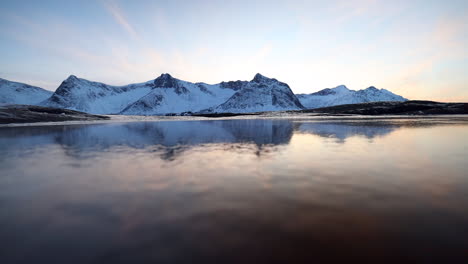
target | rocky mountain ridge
x=169, y=95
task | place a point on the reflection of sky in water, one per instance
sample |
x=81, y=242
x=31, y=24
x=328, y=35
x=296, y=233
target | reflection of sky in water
x=232, y=191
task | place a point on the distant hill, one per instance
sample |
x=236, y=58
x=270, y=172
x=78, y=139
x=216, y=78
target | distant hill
x=342, y=95
x=21, y=93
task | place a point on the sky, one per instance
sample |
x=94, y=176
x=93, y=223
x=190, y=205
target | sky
x=418, y=49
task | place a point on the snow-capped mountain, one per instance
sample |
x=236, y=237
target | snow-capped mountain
x=342, y=95
x=167, y=94
x=260, y=94
x=171, y=95
x=21, y=93
x=94, y=97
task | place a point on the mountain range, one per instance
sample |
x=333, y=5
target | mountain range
x=342, y=95
x=167, y=94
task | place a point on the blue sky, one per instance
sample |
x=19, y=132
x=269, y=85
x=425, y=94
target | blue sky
x=415, y=48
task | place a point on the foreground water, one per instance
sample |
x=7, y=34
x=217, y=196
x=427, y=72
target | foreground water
x=235, y=191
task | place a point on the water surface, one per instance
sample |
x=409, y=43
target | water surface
x=235, y=191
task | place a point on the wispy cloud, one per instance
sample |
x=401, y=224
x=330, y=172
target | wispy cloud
x=119, y=17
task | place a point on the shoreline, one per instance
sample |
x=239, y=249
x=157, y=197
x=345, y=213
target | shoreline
x=116, y=119
x=28, y=115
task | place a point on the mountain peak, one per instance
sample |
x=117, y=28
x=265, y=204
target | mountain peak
x=260, y=78
x=165, y=80
x=372, y=88
x=166, y=75
x=261, y=94
x=71, y=78
x=341, y=88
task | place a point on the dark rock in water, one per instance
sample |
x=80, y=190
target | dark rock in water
x=30, y=114
x=395, y=108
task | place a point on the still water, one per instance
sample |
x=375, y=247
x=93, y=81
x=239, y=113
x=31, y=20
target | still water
x=236, y=191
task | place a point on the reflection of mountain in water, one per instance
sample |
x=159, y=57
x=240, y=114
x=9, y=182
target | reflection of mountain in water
x=173, y=137
x=169, y=138
x=184, y=133
x=341, y=131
